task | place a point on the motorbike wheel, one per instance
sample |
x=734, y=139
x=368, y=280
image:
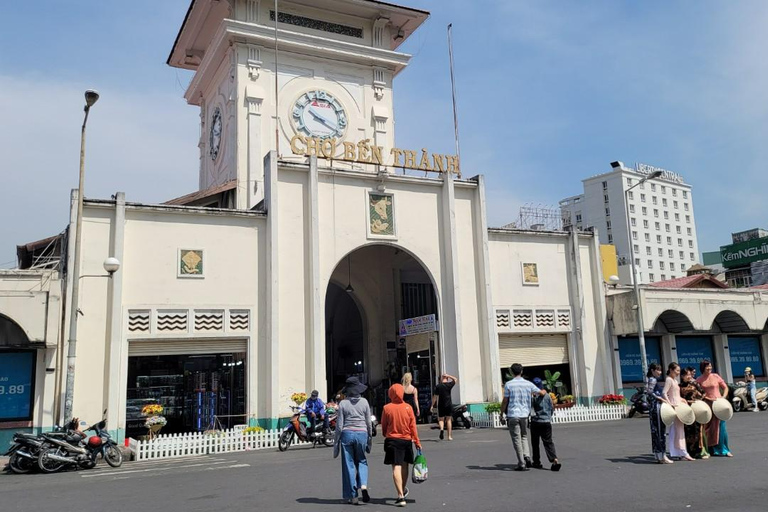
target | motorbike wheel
x=285, y=440
x=631, y=412
x=329, y=438
x=48, y=465
x=20, y=465
x=113, y=456
x=762, y=406
x=737, y=406
x=88, y=464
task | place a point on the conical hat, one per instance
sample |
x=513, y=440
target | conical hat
x=667, y=414
x=702, y=411
x=685, y=414
x=722, y=409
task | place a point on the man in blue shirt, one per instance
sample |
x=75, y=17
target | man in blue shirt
x=314, y=408
x=518, y=393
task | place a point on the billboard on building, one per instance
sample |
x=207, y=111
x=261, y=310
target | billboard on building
x=744, y=253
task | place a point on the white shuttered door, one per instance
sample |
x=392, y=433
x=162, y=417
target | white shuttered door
x=532, y=350
x=186, y=347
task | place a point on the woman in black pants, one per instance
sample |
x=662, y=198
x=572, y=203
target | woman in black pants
x=653, y=388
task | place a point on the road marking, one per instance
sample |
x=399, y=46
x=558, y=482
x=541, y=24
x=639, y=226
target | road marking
x=147, y=470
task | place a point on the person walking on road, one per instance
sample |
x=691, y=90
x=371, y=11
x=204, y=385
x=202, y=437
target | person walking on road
x=398, y=425
x=442, y=400
x=411, y=396
x=518, y=393
x=541, y=428
x=353, y=441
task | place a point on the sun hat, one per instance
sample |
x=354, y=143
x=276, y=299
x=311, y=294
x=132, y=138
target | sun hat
x=747, y=369
x=722, y=409
x=667, y=414
x=685, y=414
x=702, y=411
x=354, y=387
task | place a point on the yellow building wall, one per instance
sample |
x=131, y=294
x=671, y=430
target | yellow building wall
x=609, y=260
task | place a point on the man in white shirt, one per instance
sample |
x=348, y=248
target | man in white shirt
x=517, y=406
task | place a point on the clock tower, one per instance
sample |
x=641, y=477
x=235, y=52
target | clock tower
x=266, y=71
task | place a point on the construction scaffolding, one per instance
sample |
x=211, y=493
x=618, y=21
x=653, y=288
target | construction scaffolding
x=540, y=218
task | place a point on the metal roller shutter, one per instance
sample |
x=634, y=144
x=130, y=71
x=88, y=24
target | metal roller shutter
x=532, y=350
x=183, y=347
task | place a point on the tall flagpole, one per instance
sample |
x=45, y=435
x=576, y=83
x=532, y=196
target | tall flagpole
x=453, y=96
x=277, y=92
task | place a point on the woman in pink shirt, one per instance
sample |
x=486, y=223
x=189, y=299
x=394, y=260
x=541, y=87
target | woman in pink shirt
x=714, y=388
x=677, y=430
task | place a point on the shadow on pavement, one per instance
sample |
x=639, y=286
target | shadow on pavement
x=497, y=467
x=634, y=459
x=322, y=501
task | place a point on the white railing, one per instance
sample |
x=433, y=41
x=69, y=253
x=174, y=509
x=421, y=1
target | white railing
x=167, y=446
x=575, y=414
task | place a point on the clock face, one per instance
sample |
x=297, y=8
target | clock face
x=319, y=114
x=215, y=133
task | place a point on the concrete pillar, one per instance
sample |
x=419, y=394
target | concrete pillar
x=581, y=387
x=451, y=346
x=722, y=356
x=272, y=343
x=668, y=350
x=601, y=323
x=615, y=359
x=250, y=189
x=764, y=351
x=316, y=378
x=489, y=343
x=117, y=348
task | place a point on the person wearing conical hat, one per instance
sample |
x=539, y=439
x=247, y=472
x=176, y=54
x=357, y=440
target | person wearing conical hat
x=714, y=387
x=671, y=392
x=691, y=391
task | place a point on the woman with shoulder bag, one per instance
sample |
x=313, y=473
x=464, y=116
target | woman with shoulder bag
x=353, y=441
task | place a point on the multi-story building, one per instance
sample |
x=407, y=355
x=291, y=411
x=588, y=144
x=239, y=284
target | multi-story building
x=662, y=229
x=745, y=261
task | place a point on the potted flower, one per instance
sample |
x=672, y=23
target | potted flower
x=562, y=402
x=299, y=398
x=155, y=421
x=612, y=400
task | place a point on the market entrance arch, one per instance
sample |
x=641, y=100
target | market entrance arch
x=371, y=289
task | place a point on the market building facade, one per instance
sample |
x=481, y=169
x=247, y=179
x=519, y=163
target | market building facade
x=337, y=253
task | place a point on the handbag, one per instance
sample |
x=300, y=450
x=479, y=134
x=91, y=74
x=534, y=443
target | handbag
x=420, y=471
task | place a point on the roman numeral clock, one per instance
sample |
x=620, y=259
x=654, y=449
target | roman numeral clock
x=319, y=114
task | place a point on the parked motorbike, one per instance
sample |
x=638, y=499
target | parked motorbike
x=296, y=428
x=639, y=403
x=741, y=401
x=77, y=449
x=25, y=450
x=461, y=417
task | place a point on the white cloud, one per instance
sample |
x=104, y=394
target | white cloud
x=142, y=144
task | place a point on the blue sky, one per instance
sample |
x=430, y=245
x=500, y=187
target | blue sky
x=549, y=92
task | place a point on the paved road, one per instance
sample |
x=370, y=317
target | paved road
x=606, y=467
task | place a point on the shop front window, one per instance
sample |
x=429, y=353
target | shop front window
x=197, y=392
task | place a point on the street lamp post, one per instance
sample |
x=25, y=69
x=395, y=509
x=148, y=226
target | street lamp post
x=91, y=97
x=640, y=326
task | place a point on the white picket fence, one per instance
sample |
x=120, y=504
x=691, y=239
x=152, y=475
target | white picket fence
x=575, y=414
x=167, y=446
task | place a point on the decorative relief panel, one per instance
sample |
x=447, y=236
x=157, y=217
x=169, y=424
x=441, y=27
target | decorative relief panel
x=564, y=318
x=545, y=319
x=239, y=320
x=502, y=319
x=172, y=320
x=209, y=321
x=139, y=320
x=522, y=318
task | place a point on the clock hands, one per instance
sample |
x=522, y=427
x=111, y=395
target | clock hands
x=322, y=119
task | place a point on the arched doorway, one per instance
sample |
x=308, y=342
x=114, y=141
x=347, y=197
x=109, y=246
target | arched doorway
x=18, y=360
x=370, y=291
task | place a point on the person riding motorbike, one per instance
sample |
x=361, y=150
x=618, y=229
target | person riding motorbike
x=314, y=408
